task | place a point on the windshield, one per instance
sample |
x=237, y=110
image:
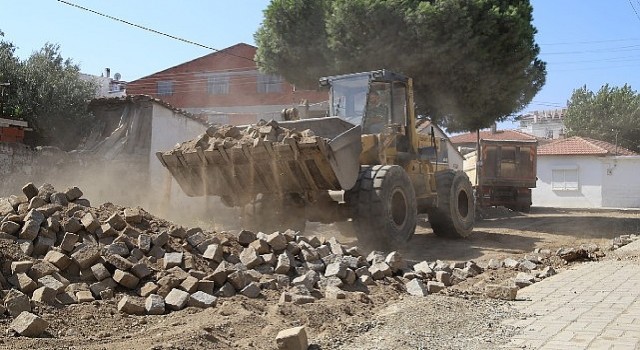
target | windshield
x=348, y=98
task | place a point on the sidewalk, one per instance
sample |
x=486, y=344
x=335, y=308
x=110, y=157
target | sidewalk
x=591, y=306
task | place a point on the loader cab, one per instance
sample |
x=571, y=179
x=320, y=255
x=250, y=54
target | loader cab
x=374, y=100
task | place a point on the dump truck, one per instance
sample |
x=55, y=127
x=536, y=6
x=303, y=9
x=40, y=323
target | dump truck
x=363, y=165
x=507, y=173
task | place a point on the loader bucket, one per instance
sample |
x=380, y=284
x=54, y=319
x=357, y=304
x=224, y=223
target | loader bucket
x=328, y=160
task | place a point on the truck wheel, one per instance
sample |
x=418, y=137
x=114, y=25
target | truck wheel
x=454, y=216
x=268, y=213
x=384, y=208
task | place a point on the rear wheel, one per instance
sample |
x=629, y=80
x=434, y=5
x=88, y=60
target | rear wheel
x=454, y=216
x=269, y=213
x=383, y=205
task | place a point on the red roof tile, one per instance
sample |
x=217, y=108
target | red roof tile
x=500, y=135
x=582, y=146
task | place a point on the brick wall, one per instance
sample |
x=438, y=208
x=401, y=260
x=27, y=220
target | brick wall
x=225, y=82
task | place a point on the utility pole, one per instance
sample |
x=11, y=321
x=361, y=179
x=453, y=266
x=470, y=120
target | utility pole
x=2, y=87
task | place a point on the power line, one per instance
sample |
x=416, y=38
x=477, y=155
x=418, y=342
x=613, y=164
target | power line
x=634, y=10
x=153, y=30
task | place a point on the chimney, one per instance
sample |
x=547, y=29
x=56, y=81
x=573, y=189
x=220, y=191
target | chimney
x=494, y=128
x=107, y=72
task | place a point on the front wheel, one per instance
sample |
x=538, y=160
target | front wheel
x=455, y=214
x=383, y=206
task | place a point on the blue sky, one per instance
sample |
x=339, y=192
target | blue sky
x=584, y=42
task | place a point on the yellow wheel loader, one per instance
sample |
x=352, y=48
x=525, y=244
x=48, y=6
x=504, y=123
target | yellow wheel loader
x=364, y=165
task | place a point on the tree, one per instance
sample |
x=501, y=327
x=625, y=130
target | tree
x=47, y=91
x=474, y=62
x=612, y=114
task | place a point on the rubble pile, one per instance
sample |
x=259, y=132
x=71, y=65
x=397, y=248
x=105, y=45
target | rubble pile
x=229, y=136
x=623, y=240
x=58, y=250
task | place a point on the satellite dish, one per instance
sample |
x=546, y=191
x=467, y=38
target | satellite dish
x=116, y=76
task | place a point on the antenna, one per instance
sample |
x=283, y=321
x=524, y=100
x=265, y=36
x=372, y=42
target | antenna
x=116, y=76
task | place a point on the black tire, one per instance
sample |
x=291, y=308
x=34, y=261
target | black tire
x=383, y=204
x=268, y=213
x=455, y=214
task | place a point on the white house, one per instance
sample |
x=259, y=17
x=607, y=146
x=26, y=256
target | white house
x=450, y=154
x=581, y=172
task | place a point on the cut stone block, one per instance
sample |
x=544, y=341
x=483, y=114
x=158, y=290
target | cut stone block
x=125, y=279
x=100, y=272
x=84, y=296
x=202, y=300
x=16, y=302
x=292, y=339
x=154, y=305
x=131, y=306
x=176, y=299
x=172, y=259
x=58, y=259
x=29, y=325
x=44, y=295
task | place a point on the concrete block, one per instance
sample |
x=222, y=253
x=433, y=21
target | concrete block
x=29, y=325
x=227, y=290
x=292, y=339
x=189, y=285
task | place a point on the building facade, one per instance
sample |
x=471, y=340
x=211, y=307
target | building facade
x=546, y=124
x=580, y=172
x=226, y=88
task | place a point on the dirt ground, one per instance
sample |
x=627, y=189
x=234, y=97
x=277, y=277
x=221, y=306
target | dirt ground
x=384, y=318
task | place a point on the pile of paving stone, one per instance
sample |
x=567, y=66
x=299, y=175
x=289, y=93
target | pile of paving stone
x=229, y=136
x=622, y=240
x=58, y=250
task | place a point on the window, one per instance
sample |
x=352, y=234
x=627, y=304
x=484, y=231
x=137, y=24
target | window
x=165, y=87
x=218, y=85
x=269, y=83
x=564, y=179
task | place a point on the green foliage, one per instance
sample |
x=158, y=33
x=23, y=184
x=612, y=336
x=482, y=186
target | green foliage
x=613, y=113
x=474, y=62
x=47, y=92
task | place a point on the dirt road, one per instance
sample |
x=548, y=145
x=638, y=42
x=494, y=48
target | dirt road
x=385, y=318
